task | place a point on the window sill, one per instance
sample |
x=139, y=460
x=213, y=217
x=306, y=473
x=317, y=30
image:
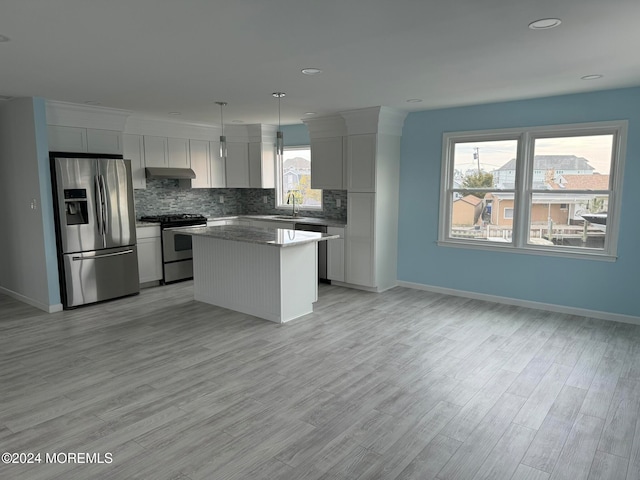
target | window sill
x=529, y=250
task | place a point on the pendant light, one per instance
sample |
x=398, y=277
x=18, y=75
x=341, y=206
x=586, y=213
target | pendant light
x=279, y=136
x=223, y=139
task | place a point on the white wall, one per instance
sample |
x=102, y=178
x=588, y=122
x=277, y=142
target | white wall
x=28, y=266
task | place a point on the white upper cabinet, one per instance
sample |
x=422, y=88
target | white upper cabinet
x=327, y=163
x=155, y=151
x=327, y=138
x=250, y=156
x=104, y=141
x=262, y=165
x=85, y=129
x=67, y=139
x=207, y=164
x=200, y=163
x=84, y=140
x=217, y=167
x=237, y=165
x=133, y=149
x=178, y=152
x=361, y=163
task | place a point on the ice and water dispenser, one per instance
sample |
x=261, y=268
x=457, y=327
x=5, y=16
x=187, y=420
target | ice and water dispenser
x=75, y=206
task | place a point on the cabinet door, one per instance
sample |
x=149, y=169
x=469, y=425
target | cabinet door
x=67, y=139
x=155, y=151
x=104, y=141
x=327, y=163
x=261, y=165
x=149, y=254
x=200, y=163
x=335, y=255
x=361, y=163
x=216, y=166
x=237, y=165
x=359, y=251
x=178, y=149
x=133, y=149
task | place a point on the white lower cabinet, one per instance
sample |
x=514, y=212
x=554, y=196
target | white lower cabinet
x=359, y=246
x=335, y=255
x=149, y=254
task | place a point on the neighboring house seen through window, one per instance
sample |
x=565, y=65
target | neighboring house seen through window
x=294, y=180
x=550, y=190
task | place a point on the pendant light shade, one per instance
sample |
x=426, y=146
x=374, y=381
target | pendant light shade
x=279, y=136
x=223, y=138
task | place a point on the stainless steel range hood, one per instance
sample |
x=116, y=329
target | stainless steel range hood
x=167, y=172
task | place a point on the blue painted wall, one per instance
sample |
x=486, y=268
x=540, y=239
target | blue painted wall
x=295, y=135
x=590, y=284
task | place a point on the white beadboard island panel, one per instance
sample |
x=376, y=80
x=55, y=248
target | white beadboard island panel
x=277, y=284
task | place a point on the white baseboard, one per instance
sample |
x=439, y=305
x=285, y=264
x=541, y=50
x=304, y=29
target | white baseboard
x=582, y=312
x=30, y=301
x=362, y=287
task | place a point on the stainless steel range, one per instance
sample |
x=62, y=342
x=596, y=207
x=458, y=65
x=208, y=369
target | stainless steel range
x=177, y=253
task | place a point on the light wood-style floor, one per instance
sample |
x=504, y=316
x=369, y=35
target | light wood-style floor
x=400, y=385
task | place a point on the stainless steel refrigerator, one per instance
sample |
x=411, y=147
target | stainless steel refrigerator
x=95, y=228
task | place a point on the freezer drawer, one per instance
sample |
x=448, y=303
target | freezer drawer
x=100, y=275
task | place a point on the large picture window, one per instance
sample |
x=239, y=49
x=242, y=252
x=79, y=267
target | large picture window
x=294, y=180
x=550, y=190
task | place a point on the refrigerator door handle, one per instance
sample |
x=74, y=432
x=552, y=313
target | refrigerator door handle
x=105, y=216
x=95, y=257
x=98, y=201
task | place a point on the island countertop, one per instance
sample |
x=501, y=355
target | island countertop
x=277, y=237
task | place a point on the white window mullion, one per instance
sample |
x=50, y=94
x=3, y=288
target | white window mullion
x=524, y=174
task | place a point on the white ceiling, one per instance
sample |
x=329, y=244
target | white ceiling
x=160, y=56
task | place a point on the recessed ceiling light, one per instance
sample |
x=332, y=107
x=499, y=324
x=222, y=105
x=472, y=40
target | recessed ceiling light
x=545, y=23
x=4, y=38
x=592, y=77
x=237, y=121
x=309, y=113
x=175, y=113
x=92, y=102
x=311, y=71
x=414, y=100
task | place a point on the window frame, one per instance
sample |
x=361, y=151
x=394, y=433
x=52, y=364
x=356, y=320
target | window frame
x=279, y=182
x=523, y=189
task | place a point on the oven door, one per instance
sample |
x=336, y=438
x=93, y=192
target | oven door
x=176, y=246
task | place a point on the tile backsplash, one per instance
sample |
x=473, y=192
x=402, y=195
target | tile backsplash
x=168, y=196
x=253, y=204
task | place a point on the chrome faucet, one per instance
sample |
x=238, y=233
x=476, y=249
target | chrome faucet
x=291, y=198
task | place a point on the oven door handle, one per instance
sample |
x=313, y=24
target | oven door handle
x=177, y=229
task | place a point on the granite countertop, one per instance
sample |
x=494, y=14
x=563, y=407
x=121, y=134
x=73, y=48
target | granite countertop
x=329, y=222
x=277, y=237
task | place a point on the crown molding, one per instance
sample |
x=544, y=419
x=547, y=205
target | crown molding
x=326, y=127
x=85, y=116
x=374, y=120
x=144, y=125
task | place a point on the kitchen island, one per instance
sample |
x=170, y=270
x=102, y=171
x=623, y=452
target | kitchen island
x=271, y=273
